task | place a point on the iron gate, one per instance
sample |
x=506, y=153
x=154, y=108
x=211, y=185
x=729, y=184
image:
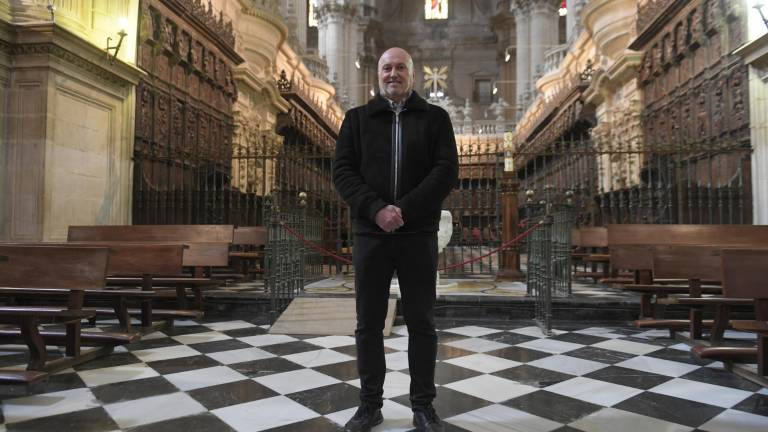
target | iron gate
x=548, y=273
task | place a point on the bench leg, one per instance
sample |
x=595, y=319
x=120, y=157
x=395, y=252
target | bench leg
x=35, y=343
x=646, y=308
x=146, y=313
x=695, y=317
x=762, y=355
x=722, y=313
x=181, y=294
x=121, y=310
x=72, y=343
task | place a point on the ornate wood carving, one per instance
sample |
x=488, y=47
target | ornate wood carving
x=694, y=91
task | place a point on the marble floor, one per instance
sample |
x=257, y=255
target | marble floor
x=494, y=376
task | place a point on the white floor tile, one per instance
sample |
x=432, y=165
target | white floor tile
x=594, y=391
x=472, y=331
x=295, y=381
x=681, y=347
x=229, y=325
x=331, y=341
x=397, y=418
x=611, y=419
x=267, y=339
x=397, y=360
x=491, y=388
x=724, y=397
x=535, y=331
x=395, y=384
x=398, y=343
x=240, y=355
x=600, y=331
x=153, y=409
x=499, y=418
x=400, y=330
x=195, y=338
x=628, y=347
x=264, y=414
x=48, y=404
x=739, y=335
x=652, y=334
x=165, y=353
x=316, y=358
x=199, y=378
x=97, y=377
x=550, y=346
x=477, y=345
x=483, y=363
x=736, y=421
x=658, y=366
x=568, y=365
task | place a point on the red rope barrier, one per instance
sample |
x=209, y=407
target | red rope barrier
x=318, y=248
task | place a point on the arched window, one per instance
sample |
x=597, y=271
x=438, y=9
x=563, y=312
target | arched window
x=435, y=9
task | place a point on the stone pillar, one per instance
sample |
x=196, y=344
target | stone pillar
x=523, y=51
x=758, y=103
x=573, y=19
x=509, y=261
x=336, y=28
x=543, y=35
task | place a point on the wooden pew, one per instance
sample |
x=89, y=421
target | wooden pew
x=694, y=264
x=591, y=247
x=248, y=243
x=743, y=273
x=70, y=270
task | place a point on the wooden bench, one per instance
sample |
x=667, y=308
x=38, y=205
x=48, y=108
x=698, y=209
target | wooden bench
x=590, y=247
x=207, y=247
x=70, y=270
x=248, y=250
x=744, y=273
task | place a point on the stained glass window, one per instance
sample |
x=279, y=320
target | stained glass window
x=436, y=9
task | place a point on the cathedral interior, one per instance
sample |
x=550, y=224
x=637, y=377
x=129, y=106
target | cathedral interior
x=171, y=241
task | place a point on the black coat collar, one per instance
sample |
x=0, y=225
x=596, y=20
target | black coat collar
x=379, y=105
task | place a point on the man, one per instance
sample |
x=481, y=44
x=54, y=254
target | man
x=395, y=164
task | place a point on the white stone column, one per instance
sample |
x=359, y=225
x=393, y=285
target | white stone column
x=758, y=110
x=573, y=20
x=544, y=34
x=336, y=19
x=523, y=50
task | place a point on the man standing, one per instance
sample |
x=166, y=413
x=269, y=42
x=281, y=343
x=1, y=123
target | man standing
x=395, y=164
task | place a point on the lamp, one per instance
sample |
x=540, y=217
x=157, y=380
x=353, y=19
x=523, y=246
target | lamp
x=507, y=55
x=759, y=6
x=357, y=62
x=122, y=24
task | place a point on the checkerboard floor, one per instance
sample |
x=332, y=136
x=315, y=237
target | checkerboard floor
x=498, y=376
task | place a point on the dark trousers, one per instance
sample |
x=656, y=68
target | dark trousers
x=414, y=257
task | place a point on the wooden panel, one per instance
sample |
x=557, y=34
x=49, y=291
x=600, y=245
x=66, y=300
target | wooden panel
x=172, y=233
x=593, y=237
x=53, y=267
x=744, y=273
x=736, y=235
x=687, y=262
x=253, y=236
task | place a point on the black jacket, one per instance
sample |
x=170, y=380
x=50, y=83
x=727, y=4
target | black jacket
x=364, y=170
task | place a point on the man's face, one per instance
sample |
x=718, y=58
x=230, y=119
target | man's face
x=395, y=74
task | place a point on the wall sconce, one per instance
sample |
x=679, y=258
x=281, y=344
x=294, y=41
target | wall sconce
x=759, y=6
x=507, y=55
x=122, y=24
x=495, y=89
x=372, y=92
x=357, y=62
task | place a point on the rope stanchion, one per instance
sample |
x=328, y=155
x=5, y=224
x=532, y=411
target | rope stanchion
x=326, y=252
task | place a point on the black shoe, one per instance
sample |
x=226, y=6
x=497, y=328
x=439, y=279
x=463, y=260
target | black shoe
x=426, y=419
x=364, y=419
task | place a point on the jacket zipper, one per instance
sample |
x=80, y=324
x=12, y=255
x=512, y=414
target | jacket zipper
x=397, y=149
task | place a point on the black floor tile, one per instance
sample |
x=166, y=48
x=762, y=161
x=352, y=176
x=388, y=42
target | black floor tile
x=218, y=346
x=224, y=395
x=600, y=355
x=628, y=377
x=519, y=354
x=258, y=368
x=579, y=338
x=755, y=404
x=328, y=399
x=318, y=424
x=183, y=364
x=721, y=377
x=447, y=337
x=449, y=403
x=678, y=356
x=112, y=360
x=671, y=409
x=533, y=376
x=445, y=352
x=245, y=332
x=446, y=373
x=185, y=330
x=90, y=420
x=60, y=382
x=152, y=343
x=553, y=406
x=289, y=348
x=508, y=338
x=351, y=350
x=344, y=371
x=205, y=422
x=131, y=390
